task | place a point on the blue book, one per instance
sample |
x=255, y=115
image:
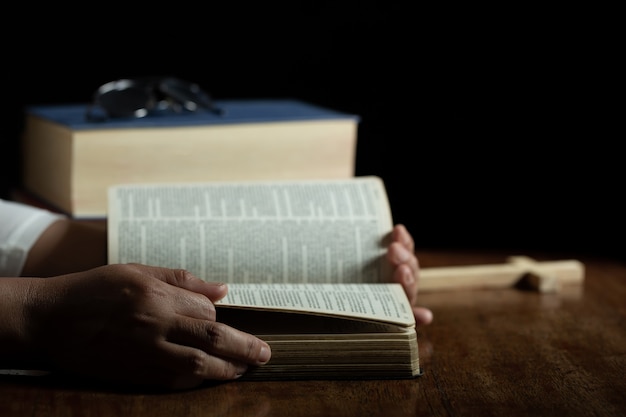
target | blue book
x=69, y=162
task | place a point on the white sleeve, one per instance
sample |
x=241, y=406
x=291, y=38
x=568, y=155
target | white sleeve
x=20, y=227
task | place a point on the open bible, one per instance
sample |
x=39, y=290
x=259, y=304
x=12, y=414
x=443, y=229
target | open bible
x=304, y=261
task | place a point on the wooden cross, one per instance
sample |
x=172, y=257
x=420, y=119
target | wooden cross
x=544, y=277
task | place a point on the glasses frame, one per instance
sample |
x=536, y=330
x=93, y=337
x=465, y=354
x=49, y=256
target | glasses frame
x=134, y=98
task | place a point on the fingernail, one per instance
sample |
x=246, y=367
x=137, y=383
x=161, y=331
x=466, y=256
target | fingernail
x=265, y=354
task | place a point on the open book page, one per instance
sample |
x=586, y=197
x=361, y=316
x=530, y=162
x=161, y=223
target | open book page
x=381, y=302
x=262, y=232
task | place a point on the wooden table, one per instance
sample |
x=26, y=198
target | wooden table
x=502, y=352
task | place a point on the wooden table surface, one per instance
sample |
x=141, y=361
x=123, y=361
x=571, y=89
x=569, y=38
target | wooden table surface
x=503, y=352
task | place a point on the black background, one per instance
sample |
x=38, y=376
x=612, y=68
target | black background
x=492, y=128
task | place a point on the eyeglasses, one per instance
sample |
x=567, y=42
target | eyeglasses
x=140, y=97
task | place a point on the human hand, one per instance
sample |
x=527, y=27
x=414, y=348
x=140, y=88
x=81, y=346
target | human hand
x=401, y=255
x=135, y=324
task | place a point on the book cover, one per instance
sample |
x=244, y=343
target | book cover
x=235, y=112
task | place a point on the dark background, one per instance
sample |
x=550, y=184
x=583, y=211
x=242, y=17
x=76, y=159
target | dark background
x=492, y=128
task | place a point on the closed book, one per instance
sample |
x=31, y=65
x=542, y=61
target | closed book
x=69, y=162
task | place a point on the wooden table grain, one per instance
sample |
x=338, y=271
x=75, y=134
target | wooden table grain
x=505, y=352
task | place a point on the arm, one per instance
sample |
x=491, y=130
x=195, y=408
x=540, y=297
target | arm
x=37, y=242
x=67, y=246
x=127, y=324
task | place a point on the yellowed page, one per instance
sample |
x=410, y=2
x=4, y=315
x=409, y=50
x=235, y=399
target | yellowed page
x=381, y=302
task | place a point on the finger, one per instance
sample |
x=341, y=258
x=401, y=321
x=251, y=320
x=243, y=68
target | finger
x=235, y=344
x=404, y=276
x=195, y=365
x=423, y=316
x=219, y=339
x=179, y=299
x=401, y=234
x=398, y=254
x=401, y=251
x=179, y=367
x=192, y=305
x=184, y=279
